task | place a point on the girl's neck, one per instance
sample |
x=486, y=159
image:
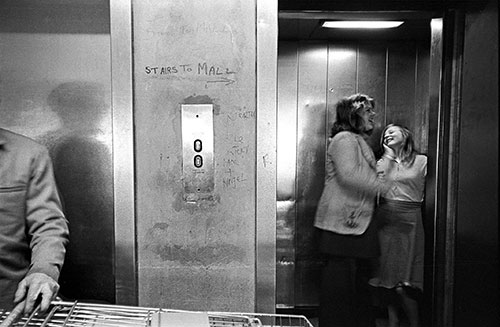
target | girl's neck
x=394, y=154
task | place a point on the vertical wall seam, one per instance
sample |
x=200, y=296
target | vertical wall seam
x=356, y=85
x=296, y=186
x=327, y=113
x=415, y=92
x=256, y=85
x=386, y=83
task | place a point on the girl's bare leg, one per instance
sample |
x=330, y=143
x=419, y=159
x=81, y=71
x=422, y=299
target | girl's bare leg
x=411, y=309
x=392, y=314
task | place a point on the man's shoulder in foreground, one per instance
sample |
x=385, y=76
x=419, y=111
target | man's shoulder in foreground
x=9, y=138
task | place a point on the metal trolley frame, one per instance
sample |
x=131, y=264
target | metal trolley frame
x=79, y=314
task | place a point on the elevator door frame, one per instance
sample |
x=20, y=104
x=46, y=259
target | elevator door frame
x=442, y=184
x=444, y=127
x=125, y=262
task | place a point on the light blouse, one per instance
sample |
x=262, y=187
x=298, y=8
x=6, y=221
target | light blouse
x=408, y=181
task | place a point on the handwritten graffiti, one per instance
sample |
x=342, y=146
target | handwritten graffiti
x=217, y=74
x=232, y=178
x=201, y=68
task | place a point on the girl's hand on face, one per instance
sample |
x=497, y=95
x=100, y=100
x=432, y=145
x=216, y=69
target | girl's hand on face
x=388, y=150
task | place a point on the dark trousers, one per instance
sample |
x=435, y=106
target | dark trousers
x=345, y=297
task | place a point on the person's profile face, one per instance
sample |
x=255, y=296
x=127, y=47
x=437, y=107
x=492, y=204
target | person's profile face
x=367, y=115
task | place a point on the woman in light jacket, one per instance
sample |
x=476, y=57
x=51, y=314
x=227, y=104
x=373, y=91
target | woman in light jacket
x=348, y=238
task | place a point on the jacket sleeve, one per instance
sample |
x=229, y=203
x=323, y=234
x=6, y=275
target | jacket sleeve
x=47, y=226
x=353, y=169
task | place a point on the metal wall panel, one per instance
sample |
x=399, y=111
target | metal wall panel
x=55, y=88
x=372, y=60
x=201, y=255
x=267, y=79
x=401, y=84
x=342, y=63
x=311, y=121
x=421, y=114
x=123, y=151
x=286, y=173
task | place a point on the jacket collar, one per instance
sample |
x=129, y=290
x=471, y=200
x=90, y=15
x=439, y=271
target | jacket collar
x=366, y=151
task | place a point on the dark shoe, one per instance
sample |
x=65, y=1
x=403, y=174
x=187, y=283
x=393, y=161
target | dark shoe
x=410, y=290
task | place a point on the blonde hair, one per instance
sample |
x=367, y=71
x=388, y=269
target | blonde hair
x=408, y=151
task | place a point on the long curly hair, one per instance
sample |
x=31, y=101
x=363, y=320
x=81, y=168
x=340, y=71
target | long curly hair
x=348, y=118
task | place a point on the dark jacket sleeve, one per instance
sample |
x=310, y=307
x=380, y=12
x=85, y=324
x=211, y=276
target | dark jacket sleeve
x=47, y=226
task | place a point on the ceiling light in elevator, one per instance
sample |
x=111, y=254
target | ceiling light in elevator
x=364, y=24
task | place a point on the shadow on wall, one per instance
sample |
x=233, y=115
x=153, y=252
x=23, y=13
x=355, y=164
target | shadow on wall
x=83, y=168
x=310, y=181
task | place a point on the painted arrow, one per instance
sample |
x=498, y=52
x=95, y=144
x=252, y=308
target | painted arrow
x=225, y=80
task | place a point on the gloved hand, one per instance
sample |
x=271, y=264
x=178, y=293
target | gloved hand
x=36, y=287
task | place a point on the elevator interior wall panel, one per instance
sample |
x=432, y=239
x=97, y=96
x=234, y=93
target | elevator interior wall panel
x=371, y=79
x=421, y=114
x=286, y=172
x=196, y=253
x=401, y=84
x=342, y=61
x=350, y=67
x=311, y=118
x=56, y=88
x=287, y=119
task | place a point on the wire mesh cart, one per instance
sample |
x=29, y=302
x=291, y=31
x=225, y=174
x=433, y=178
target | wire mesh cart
x=80, y=314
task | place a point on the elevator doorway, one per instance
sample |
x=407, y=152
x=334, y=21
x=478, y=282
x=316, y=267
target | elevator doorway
x=317, y=67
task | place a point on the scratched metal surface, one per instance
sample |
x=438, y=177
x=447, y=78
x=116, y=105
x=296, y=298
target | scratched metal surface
x=198, y=254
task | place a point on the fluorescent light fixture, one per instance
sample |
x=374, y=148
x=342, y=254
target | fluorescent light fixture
x=369, y=24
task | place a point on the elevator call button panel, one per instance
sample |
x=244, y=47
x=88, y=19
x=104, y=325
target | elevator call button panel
x=197, y=150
